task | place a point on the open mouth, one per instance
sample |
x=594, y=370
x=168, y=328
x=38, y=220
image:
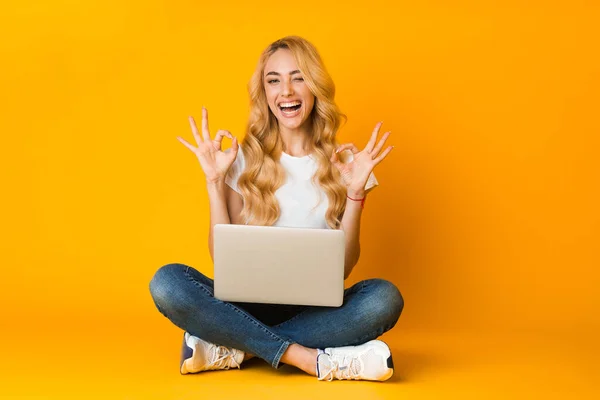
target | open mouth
x=291, y=108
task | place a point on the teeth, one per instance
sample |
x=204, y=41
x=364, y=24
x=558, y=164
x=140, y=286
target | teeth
x=294, y=103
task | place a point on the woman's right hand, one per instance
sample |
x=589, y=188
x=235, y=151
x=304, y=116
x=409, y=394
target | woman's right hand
x=214, y=162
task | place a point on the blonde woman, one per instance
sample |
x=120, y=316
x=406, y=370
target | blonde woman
x=288, y=171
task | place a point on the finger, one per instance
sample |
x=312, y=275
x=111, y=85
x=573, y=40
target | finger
x=205, y=131
x=195, y=130
x=382, y=156
x=350, y=146
x=220, y=135
x=225, y=132
x=371, y=143
x=335, y=161
x=334, y=157
x=234, y=148
x=186, y=144
x=379, y=146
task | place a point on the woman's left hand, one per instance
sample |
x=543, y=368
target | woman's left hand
x=356, y=173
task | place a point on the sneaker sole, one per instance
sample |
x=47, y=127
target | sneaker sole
x=389, y=361
x=186, y=352
x=388, y=375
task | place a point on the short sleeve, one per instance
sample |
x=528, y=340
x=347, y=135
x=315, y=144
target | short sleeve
x=371, y=180
x=235, y=170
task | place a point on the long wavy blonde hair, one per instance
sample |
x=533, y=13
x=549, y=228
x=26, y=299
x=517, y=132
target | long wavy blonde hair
x=262, y=144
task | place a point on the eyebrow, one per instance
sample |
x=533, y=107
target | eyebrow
x=296, y=71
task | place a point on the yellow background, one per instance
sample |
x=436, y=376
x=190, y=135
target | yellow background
x=486, y=216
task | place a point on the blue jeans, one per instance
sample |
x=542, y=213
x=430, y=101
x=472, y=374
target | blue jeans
x=185, y=296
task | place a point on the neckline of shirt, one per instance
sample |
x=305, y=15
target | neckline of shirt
x=295, y=158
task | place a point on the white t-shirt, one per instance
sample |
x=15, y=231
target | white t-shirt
x=298, y=195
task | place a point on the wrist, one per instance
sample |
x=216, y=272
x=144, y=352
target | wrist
x=357, y=197
x=218, y=184
x=355, y=193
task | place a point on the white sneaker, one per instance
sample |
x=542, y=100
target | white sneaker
x=370, y=361
x=199, y=355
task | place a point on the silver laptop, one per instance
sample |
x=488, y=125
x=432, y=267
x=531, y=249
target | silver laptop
x=279, y=265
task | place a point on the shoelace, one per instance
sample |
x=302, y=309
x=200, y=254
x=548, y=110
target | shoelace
x=220, y=357
x=342, y=369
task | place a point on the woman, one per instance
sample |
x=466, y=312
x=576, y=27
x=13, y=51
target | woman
x=288, y=162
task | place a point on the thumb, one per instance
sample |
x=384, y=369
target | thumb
x=234, y=147
x=334, y=158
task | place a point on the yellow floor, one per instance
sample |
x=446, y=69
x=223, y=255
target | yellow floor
x=122, y=362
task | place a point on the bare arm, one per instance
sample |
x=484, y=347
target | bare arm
x=225, y=208
x=215, y=163
x=351, y=227
x=355, y=175
x=218, y=210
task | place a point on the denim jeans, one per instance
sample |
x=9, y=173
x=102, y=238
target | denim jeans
x=185, y=296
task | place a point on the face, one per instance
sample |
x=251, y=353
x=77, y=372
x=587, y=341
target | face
x=289, y=98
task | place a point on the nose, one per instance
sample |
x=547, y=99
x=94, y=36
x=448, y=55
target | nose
x=286, y=89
